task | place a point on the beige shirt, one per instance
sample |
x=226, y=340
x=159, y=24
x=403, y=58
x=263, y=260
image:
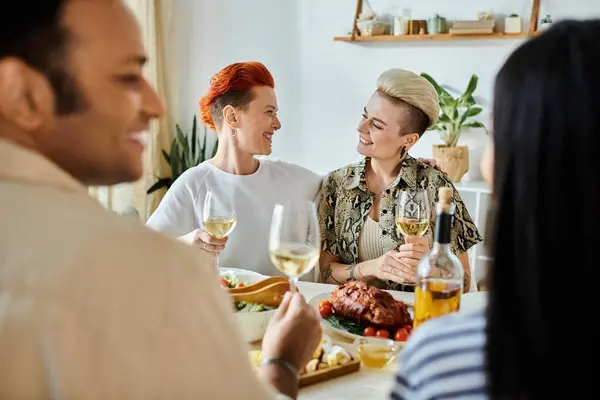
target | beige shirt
x=95, y=306
x=369, y=246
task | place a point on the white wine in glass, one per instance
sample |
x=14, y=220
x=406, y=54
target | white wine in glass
x=218, y=215
x=294, y=259
x=219, y=227
x=295, y=240
x=412, y=212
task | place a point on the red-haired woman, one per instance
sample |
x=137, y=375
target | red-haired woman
x=241, y=106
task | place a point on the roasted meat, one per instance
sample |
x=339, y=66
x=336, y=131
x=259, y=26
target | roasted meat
x=369, y=305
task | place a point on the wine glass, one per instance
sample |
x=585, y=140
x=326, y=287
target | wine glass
x=412, y=212
x=295, y=240
x=218, y=215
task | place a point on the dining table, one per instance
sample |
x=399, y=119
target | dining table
x=366, y=383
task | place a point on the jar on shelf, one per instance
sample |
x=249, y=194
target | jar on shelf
x=436, y=25
x=400, y=25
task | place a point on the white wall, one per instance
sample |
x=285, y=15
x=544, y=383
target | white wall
x=322, y=85
x=338, y=77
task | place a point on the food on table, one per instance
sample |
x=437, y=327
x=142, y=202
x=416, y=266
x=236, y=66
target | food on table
x=242, y=306
x=369, y=305
x=326, y=309
x=255, y=357
x=382, y=333
x=401, y=334
x=228, y=280
x=369, y=331
x=376, y=353
x=363, y=310
x=327, y=355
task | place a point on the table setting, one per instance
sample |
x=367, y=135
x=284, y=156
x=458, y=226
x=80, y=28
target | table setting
x=359, y=383
x=365, y=328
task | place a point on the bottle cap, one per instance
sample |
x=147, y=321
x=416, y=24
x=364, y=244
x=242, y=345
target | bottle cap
x=445, y=195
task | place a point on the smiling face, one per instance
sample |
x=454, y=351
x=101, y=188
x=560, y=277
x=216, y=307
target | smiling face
x=99, y=139
x=256, y=122
x=382, y=129
x=106, y=60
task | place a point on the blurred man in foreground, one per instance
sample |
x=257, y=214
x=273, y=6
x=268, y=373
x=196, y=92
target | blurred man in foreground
x=93, y=304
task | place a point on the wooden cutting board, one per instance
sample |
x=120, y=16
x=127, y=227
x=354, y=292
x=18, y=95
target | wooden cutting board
x=322, y=375
x=329, y=373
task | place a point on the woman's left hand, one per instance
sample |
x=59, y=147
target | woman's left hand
x=411, y=252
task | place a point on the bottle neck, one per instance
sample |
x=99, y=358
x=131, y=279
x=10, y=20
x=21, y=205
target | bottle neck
x=441, y=248
x=443, y=228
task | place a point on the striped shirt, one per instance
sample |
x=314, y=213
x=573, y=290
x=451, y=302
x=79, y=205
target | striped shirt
x=444, y=359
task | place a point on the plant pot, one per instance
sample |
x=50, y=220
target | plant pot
x=453, y=160
x=512, y=25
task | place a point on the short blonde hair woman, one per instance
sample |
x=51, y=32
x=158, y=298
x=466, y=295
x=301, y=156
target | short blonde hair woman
x=358, y=201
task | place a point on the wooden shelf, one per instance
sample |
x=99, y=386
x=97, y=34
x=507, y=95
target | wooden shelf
x=445, y=36
x=355, y=35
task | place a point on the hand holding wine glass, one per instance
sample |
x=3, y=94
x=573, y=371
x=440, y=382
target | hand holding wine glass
x=218, y=215
x=412, y=220
x=295, y=241
x=412, y=212
x=204, y=241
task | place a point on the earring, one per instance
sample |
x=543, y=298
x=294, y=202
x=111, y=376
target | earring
x=403, y=152
x=233, y=132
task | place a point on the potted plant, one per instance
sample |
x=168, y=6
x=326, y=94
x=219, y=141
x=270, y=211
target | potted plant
x=455, y=114
x=546, y=22
x=186, y=152
x=513, y=24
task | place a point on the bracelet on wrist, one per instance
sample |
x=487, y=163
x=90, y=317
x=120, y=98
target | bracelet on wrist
x=282, y=363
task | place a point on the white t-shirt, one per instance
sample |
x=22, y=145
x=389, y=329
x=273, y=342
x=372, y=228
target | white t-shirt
x=275, y=181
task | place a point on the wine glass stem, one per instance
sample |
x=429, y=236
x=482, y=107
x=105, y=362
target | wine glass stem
x=294, y=284
x=217, y=264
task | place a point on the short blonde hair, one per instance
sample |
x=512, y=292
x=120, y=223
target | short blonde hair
x=400, y=84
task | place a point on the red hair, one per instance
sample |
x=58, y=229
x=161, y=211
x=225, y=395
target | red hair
x=232, y=86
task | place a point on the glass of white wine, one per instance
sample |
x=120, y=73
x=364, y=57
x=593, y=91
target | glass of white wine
x=218, y=215
x=295, y=240
x=412, y=212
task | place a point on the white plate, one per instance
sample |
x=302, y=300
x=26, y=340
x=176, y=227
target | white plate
x=245, y=272
x=404, y=297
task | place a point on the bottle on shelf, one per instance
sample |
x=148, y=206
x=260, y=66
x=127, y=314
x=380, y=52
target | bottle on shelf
x=439, y=281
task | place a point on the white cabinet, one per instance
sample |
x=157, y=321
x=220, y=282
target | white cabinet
x=476, y=196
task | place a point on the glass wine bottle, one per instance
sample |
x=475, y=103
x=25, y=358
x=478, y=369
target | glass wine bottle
x=439, y=282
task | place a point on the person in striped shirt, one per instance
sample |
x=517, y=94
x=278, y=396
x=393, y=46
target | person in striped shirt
x=531, y=341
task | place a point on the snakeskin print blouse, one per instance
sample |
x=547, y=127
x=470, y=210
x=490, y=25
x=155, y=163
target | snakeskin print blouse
x=345, y=202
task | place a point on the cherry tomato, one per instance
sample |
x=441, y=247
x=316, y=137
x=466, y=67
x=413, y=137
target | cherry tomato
x=325, y=311
x=382, y=333
x=224, y=283
x=370, y=331
x=401, y=335
x=240, y=285
x=325, y=303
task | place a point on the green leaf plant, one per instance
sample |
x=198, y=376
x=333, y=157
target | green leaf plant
x=456, y=112
x=186, y=152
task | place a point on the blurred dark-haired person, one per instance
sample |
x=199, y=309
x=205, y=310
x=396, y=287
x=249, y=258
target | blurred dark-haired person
x=546, y=192
x=93, y=305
